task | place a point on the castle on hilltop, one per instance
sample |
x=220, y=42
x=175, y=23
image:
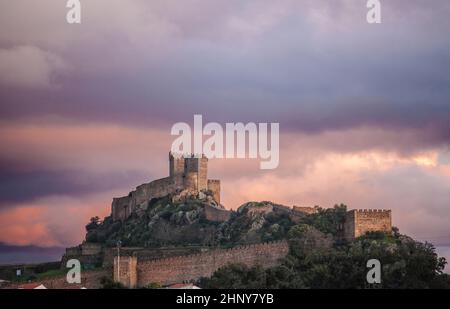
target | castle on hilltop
x=186, y=172
x=189, y=173
x=188, y=176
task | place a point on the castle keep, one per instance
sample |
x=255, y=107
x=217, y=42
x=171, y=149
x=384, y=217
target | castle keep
x=189, y=173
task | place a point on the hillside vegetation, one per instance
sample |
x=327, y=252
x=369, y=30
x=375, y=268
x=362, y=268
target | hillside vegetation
x=318, y=256
x=163, y=222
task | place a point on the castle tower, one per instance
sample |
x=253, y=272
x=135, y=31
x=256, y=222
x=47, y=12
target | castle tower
x=125, y=271
x=196, y=173
x=360, y=221
x=176, y=164
x=185, y=173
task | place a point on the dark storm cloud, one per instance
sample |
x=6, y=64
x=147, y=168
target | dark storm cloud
x=310, y=65
x=19, y=186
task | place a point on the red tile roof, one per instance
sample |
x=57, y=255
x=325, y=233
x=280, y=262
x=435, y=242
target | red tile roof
x=29, y=286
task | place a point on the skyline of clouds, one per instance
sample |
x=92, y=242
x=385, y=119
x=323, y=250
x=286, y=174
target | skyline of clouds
x=86, y=110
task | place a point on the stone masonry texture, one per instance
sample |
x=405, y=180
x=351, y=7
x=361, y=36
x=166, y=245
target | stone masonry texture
x=193, y=267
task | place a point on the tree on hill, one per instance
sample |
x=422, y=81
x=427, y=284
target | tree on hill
x=93, y=224
x=327, y=220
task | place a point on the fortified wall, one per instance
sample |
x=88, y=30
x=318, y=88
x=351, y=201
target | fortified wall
x=305, y=209
x=136, y=273
x=185, y=173
x=216, y=214
x=359, y=221
x=90, y=279
x=87, y=253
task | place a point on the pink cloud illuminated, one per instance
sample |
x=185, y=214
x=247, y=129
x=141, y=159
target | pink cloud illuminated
x=314, y=170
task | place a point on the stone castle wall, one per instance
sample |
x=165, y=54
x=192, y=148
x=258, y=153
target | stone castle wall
x=196, y=173
x=176, y=165
x=144, y=254
x=349, y=226
x=157, y=188
x=126, y=273
x=216, y=214
x=122, y=207
x=87, y=253
x=91, y=248
x=73, y=251
x=358, y=222
x=203, y=174
x=89, y=279
x=193, y=267
x=305, y=210
x=214, y=187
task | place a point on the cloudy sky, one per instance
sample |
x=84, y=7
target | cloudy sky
x=86, y=110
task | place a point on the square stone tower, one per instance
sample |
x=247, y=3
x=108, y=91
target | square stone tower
x=196, y=173
x=176, y=165
x=360, y=221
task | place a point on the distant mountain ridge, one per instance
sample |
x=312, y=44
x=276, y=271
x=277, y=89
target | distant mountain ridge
x=13, y=254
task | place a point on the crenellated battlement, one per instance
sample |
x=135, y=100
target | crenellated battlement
x=372, y=210
x=280, y=244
